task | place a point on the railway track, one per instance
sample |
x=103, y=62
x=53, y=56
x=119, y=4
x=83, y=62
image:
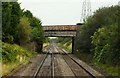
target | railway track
x=73, y=64
x=54, y=65
x=42, y=66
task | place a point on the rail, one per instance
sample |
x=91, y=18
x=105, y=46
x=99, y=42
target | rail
x=63, y=51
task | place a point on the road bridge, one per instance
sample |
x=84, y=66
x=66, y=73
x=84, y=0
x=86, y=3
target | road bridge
x=61, y=31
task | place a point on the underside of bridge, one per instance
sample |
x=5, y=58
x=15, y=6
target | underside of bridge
x=62, y=31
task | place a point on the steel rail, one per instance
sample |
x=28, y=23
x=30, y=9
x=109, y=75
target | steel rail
x=66, y=62
x=78, y=64
x=52, y=65
x=40, y=65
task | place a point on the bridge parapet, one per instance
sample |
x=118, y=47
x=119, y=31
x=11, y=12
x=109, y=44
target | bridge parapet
x=60, y=28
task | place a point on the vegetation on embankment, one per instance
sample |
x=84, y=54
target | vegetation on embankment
x=21, y=33
x=65, y=43
x=99, y=38
x=20, y=26
x=13, y=56
x=67, y=46
x=46, y=42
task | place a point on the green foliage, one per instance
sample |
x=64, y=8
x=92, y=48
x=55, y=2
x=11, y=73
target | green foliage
x=14, y=53
x=111, y=70
x=65, y=43
x=15, y=19
x=6, y=19
x=100, y=36
x=47, y=40
x=106, y=48
x=24, y=30
x=38, y=33
x=64, y=40
x=11, y=13
x=18, y=27
x=36, y=25
x=67, y=46
x=13, y=56
x=102, y=17
x=27, y=14
x=17, y=24
x=35, y=22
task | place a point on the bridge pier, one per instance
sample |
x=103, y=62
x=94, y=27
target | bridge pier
x=73, y=39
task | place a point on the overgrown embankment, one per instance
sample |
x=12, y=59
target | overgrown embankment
x=98, y=41
x=13, y=56
x=21, y=33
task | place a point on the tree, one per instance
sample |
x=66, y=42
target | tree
x=6, y=20
x=15, y=19
x=38, y=33
x=36, y=25
x=24, y=30
x=18, y=24
x=27, y=14
x=103, y=17
x=11, y=13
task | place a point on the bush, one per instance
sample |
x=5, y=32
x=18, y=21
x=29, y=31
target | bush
x=103, y=17
x=14, y=53
x=106, y=48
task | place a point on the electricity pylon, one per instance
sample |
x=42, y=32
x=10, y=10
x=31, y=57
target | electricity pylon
x=86, y=10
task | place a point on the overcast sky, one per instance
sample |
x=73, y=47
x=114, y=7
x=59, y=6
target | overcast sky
x=61, y=12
